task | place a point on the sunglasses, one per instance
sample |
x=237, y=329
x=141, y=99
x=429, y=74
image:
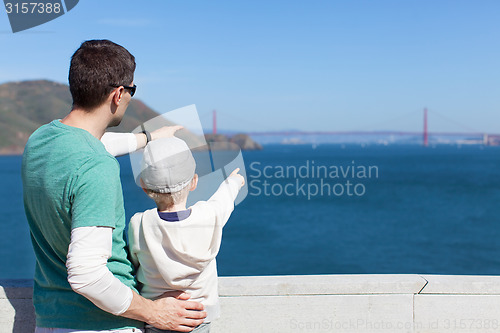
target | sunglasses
x=132, y=89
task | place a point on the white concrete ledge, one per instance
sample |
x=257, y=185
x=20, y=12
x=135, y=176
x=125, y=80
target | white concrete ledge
x=320, y=285
x=16, y=306
x=462, y=285
x=326, y=303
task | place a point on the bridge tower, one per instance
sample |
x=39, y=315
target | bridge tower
x=426, y=133
x=214, y=118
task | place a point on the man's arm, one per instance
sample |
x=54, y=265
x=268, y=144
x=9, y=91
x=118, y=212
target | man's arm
x=89, y=276
x=118, y=144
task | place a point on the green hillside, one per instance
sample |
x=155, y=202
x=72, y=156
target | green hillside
x=25, y=106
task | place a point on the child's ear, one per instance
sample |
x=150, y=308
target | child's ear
x=143, y=186
x=194, y=182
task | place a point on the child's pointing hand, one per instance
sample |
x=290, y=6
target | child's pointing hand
x=240, y=177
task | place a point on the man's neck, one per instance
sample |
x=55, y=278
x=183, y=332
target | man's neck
x=94, y=121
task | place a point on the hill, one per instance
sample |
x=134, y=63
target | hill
x=224, y=141
x=27, y=105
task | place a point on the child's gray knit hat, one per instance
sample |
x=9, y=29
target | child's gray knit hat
x=167, y=165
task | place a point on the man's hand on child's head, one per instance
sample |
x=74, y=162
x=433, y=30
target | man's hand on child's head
x=165, y=132
x=240, y=177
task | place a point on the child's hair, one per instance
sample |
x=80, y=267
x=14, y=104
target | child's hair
x=169, y=200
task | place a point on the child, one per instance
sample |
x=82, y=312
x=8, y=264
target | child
x=173, y=247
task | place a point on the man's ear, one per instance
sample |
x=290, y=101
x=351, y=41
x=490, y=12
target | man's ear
x=194, y=182
x=117, y=95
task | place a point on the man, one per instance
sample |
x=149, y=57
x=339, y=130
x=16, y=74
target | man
x=74, y=206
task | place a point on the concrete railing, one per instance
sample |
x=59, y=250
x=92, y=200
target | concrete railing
x=326, y=303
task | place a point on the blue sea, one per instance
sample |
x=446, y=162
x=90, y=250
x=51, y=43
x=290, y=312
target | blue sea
x=332, y=209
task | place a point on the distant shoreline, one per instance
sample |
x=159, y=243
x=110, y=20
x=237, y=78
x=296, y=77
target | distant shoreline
x=11, y=151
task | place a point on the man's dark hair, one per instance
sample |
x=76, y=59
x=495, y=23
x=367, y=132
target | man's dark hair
x=95, y=66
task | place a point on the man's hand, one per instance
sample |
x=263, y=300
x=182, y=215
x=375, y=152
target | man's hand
x=175, y=312
x=240, y=177
x=165, y=132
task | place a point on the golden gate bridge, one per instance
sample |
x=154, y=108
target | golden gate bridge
x=476, y=137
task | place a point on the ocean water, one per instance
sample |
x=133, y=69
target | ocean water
x=332, y=209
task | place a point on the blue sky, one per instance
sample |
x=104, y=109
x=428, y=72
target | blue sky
x=273, y=65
